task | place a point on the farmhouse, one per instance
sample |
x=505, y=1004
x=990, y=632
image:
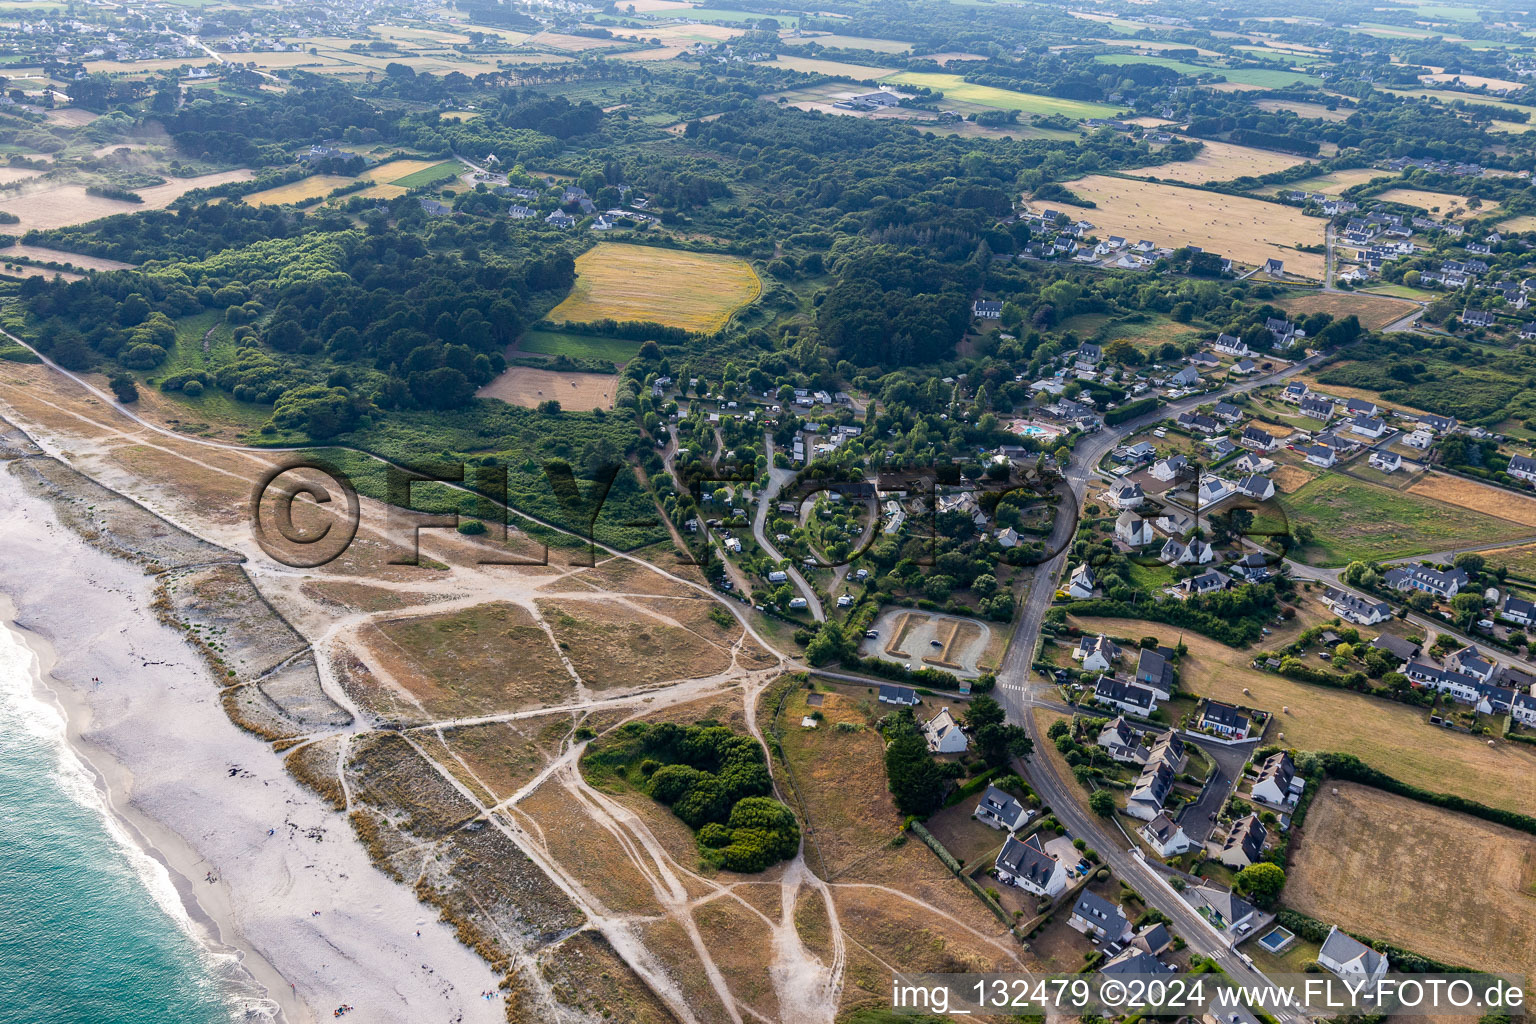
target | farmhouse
x=1027, y=866
x=1165, y=836
x=1224, y=719
x=999, y=810
x=1444, y=585
x=1244, y=844
x=944, y=734
x=1120, y=741
x=1138, y=700
x=1094, y=915
x=1351, y=959
x=1096, y=653
x=1277, y=783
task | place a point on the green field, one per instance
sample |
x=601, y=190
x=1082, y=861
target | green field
x=958, y=89
x=1449, y=96
x=1243, y=76
x=578, y=346
x=1353, y=520
x=428, y=175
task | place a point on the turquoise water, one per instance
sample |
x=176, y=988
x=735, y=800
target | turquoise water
x=91, y=931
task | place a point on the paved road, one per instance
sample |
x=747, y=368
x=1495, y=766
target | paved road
x=1196, y=818
x=777, y=478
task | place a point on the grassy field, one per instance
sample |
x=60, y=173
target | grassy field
x=1333, y=182
x=1392, y=737
x=956, y=88
x=1376, y=864
x=427, y=175
x=1220, y=161
x=577, y=346
x=1245, y=230
x=694, y=291
x=1310, y=110
x=1374, y=311
x=1475, y=81
x=1258, y=78
x=1525, y=222
x=1354, y=520
x=815, y=66
x=1495, y=501
x=861, y=43
x=1441, y=203
x=65, y=205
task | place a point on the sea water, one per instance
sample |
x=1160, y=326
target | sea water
x=91, y=928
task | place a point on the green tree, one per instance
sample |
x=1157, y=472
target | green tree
x=1102, y=803
x=1261, y=883
x=910, y=770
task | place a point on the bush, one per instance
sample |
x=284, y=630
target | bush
x=192, y=388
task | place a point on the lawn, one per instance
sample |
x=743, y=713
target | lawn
x=427, y=175
x=1352, y=520
x=578, y=346
x=1257, y=77
x=956, y=88
x=694, y=291
x=1376, y=864
x=1394, y=738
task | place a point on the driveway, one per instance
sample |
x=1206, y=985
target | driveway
x=1196, y=818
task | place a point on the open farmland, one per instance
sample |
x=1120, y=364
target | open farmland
x=577, y=346
x=529, y=387
x=1391, y=737
x=1246, y=230
x=694, y=291
x=65, y=205
x=1247, y=78
x=312, y=187
x=1495, y=501
x=841, y=42
x=1375, y=864
x=1374, y=311
x=1440, y=203
x=1356, y=520
x=1301, y=109
x=816, y=66
x=1475, y=81
x=958, y=90
x=1332, y=183
x=1220, y=161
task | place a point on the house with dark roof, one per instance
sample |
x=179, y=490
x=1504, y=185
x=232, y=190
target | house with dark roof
x=1165, y=836
x=1362, y=611
x=1259, y=488
x=1231, y=344
x=1224, y=909
x=986, y=309
x=1321, y=455
x=1258, y=440
x=1120, y=741
x=1522, y=467
x=1093, y=915
x=1097, y=652
x=1133, y=962
x=998, y=809
x=1351, y=959
x=1025, y=865
x=1138, y=700
x=1396, y=646
x=1277, y=783
x=1207, y=582
x=1519, y=610
x=1244, y=844
x=901, y=696
x=1154, y=671
x=1442, y=584
x=1317, y=408
x=1224, y=719
x=1151, y=789
x=1477, y=318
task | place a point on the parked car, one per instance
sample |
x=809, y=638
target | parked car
x=872, y=634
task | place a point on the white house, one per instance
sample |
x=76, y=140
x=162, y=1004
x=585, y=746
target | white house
x=1120, y=741
x=1124, y=496
x=1321, y=455
x=1082, y=583
x=1026, y=865
x=1212, y=490
x=1132, y=530
x=1522, y=467
x=1176, y=552
x=1387, y=462
x=1138, y=700
x=1258, y=440
x=1165, y=836
x=1169, y=468
x=1151, y=789
x=1517, y=610
x=1252, y=463
x=1420, y=439
x=999, y=810
x=1231, y=345
x=1093, y=915
x=1368, y=426
x=1260, y=488
x=1351, y=959
x=1097, y=653
x=1277, y=783
x=944, y=734
x=1225, y=720
x=1244, y=844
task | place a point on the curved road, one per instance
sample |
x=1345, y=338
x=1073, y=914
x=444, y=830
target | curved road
x=777, y=478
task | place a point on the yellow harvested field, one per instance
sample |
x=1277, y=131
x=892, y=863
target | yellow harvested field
x=1246, y=230
x=1442, y=203
x=1331, y=183
x=694, y=291
x=944, y=59
x=1393, y=738
x=1289, y=479
x=654, y=53
x=574, y=44
x=1375, y=864
x=812, y=66
x=286, y=59
x=394, y=170
x=1309, y=110
x=1525, y=222
x=856, y=43
x=384, y=192
x=1494, y=501
x=312, y=187
x=1220, y=161
x=526, y=386
x=64, y=205
x=688, y=34
x=1374, y=311
x=37, y=252
x=1475, y=81
x=10, y=174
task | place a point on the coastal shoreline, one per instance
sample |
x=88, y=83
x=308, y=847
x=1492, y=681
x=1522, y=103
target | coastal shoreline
x=313, y=924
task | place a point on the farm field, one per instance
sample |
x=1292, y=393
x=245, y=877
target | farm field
x=1220, y=161
x=1520, y=559
x=1475, y=81
x=1301, y=109
x=1374, y=311
x=37, y=252
x=1525, y=222
x=1332, y=183
x=1394, y=738
x=1248, y=78
x=1246, y=230
x=958, y=89
x=1374, y=863
x=1443, y=203
x=815, y=66
x=694, y=291
x=424, y=176
x=527, y=386
x=312, y=187
x=860, y=43
x=1468, y=494
x=65, y=205
x=1354, y=520
x=577, y=346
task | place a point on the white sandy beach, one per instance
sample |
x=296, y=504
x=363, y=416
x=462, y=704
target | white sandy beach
x=201, y=795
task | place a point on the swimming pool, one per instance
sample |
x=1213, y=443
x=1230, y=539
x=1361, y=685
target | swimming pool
x=1277, y=939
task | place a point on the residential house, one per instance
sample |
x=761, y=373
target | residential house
x=1444, y=585
x=1221, y=907
x=1025, y=865
x=1387, y=462
x=519, y=212
x=1000, y=810
x=1097, y=653
x=1185, y=378
x=1133, y=962
x=1212, y=489
x=1295, y=392
x=984, y=309
x=1225, y=1007
x=1231, y=345
x=1396, y=646
x=1351, y=959
x=1522, y=467
x=1244, y=844
x=1253, y=567
x=1153, y=939
x=1274, y=267
x=1259, y=488
x=1257, y=440
x=1278, y=784
x=1361, y=407
x=1468, y=689
x=1132, y=530
x=1421, y=439
x=1244, y=367
x=1138, y=700
x=1227, y=412
x=901, y=696
x=1120, y=741
x=1136, y=454
x=433, y=208
x=1082, y=583
x=1169, y=468
x=1124, y=496
x=1198, y=422
x=1353, y=608
x=1321, y=455
x=1518, y=610
x=1224, y=719
x=1207, y=582
x=1439, y=424
x=1176, y=552
x=1090, y=353
x=1477, y=318
x=1252, y=463
x=1368, y=426
x=944, y=734
x=1523, y=709
x=1168, y=749
x=1093, y=915
x=560, y=219
x=1155, y=671
x=1283, y=332
x=1317, y=408
x=1152, y=788
x=1175, y=523
x=1470, y=660
x=1164, y=835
